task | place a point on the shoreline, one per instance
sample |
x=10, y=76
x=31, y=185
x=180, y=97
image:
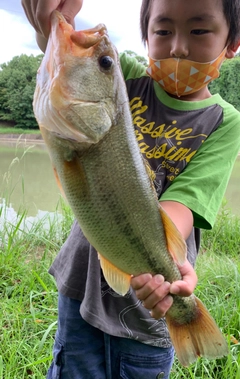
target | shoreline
x=21, y=138
x=28, y=138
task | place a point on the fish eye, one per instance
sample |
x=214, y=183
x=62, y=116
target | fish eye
x=106, y=62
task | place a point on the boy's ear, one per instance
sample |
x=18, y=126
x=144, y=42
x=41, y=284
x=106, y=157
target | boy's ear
x=231, y=50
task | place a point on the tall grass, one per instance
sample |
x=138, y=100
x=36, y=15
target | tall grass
x=218, y=269
x=28, y=296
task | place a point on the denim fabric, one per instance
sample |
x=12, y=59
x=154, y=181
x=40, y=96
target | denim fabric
x=84, y=352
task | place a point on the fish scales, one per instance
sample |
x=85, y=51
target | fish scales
x=110, y=216
x=82, y=109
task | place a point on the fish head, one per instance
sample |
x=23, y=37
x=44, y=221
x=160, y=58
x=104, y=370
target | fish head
x=79, y=83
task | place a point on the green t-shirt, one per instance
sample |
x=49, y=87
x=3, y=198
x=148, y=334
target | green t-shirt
x=198, y=139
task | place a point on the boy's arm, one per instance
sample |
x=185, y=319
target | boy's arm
x=39, y=12
x=154, y=291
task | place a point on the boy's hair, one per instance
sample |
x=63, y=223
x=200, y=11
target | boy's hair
x=231, y=10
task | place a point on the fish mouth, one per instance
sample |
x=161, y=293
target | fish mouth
x=80, y=43
x=66, y=102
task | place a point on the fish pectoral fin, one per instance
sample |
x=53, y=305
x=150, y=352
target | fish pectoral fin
x=197, y=337
x=118, y=280
x=58, y=181
x=175, y=243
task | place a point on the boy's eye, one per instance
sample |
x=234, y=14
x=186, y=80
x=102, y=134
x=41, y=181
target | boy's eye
x=199, y=32
x=162, y=32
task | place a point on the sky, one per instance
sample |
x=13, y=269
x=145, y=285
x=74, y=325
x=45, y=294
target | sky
x=121, y=18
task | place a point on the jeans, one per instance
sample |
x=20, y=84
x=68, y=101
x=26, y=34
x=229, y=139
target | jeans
x=84, y=352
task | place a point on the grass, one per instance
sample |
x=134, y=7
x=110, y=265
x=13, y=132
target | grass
x=28, y=296
x=10, y=130
x=218, y=268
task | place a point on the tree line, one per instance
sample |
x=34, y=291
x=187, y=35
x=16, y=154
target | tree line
x=17, y=85
x=18, y=81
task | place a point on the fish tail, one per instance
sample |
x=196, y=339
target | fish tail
x=199, y=337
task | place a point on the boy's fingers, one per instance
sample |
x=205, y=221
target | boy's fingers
x=43, y=15
x=39, y=12
x=139, y=281
x=70, y=9
x=145, y=284
x=161, y=308
x=158, y=294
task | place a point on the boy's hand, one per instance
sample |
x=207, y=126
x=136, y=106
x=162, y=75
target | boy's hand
x=38, y=12
x=155, y=292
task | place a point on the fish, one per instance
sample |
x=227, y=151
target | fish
x=82, y=108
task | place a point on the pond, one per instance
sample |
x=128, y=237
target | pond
x=27, y=179
x=27, y=182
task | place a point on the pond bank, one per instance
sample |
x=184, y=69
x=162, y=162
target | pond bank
x=10, y=137
x=36, y=138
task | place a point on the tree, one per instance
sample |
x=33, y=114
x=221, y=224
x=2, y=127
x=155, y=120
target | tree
x=17, y=85
x=228, y=84
x=139, y=58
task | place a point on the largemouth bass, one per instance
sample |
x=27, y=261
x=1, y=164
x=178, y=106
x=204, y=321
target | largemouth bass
x=82, y=109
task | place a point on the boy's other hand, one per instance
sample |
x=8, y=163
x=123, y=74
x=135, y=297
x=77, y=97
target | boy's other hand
x=155, y=292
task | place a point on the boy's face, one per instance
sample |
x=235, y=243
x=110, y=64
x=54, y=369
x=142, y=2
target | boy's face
x=192, y=29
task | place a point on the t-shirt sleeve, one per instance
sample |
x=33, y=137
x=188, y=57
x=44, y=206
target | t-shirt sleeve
x=202, y=184
x=131, y=68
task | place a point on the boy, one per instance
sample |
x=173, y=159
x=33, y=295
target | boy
x=182, y=131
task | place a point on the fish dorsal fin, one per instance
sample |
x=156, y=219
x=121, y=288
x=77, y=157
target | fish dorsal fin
x=118, y=280
x=175, y=243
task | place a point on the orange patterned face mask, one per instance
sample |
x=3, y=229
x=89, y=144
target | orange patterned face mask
x=182, y=77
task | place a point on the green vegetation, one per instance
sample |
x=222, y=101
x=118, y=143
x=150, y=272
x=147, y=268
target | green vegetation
x=28, y=296
x=139, y=58
x=218, y=268
x=227, y=85
x=19, y=131
x=17, y=85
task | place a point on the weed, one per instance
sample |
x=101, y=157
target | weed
x=28, y=296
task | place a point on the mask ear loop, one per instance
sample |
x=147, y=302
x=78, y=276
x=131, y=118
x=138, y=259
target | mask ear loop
x=176, y=76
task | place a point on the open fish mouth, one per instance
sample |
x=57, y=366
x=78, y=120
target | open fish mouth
x=65, y=89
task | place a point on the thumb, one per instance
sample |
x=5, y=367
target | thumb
x=181, y=288
x=186, y=286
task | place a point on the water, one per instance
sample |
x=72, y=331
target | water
x=27, y=183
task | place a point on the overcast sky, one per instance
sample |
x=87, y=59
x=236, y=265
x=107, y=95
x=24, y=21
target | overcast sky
x=120, y=16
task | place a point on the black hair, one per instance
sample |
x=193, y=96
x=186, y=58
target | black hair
x=231, y=10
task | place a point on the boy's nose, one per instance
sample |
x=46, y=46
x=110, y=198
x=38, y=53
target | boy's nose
x=179, y=48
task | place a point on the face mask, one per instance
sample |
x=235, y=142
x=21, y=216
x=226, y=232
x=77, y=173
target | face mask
x=181, y=76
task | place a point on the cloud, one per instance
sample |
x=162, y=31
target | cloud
x=120, y=16
x=12, y=7
x=17, y=37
